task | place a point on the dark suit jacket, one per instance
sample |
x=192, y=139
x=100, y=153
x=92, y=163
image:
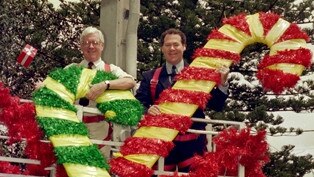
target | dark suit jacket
x=143, y=94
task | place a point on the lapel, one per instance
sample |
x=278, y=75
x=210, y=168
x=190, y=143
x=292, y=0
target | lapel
x=164, y=78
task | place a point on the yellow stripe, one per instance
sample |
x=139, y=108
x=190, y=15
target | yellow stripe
x=276, y=31
x=235, y=34
x=225, y=45
x=59, y=89
x=178, y=108
x=165, y=134
x=70, y=140
x=110, y=95
x=195, y=85
x=288, y=68
x=210, y=62
x=75, y=170
x=86, y=78
x=145, y=159
x=292, y=44
x=256, y=27
x=42, y=111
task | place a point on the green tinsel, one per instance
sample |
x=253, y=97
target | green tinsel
x=46, y=97
x=102, y=76
x=68, y=77
x=53, y=126
x=85, y=155
x=128, y=112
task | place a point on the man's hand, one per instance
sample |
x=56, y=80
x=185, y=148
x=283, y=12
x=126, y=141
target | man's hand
x=96, y=90
x=224, y=72
x=39, y=84
x=153, y=110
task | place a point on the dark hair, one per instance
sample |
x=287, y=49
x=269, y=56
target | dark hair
x=172, y=31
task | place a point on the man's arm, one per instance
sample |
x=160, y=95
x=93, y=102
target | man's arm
x=143, y=93
x=118, y=84
x=220, y=94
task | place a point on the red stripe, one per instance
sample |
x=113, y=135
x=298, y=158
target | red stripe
x=138, y=145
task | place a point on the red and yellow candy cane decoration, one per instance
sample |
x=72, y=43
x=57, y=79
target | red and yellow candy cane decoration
x=281, y=69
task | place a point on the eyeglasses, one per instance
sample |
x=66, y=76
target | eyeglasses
x=88, y=43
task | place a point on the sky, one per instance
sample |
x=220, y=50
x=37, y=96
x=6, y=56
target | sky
x=304, y=143
x=56, y=3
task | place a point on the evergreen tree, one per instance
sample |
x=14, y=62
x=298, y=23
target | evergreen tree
x=55, y=33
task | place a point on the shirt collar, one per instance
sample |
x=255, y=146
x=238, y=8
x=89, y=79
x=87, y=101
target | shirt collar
x=96, y=63
x=179, y=66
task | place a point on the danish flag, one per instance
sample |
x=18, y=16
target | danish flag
x=27, y=55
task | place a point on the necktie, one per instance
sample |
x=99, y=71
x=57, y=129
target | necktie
x=90, y=65
x=84, y=101
x=173, y=74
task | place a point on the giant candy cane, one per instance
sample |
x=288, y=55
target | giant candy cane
x=280, y=69
x=56, y=114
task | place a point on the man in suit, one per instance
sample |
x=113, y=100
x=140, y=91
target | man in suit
x=173, y=45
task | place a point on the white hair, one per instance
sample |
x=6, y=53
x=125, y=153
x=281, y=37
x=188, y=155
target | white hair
x=91, y=30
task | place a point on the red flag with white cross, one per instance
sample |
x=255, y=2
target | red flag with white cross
x=27, y=55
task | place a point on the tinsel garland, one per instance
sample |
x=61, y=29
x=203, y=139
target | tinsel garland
x=195, y=73
x=134, y=145
x=282, y=80
x=184, y=96
x=215, y=34
x=19, y=119
x=294, y=32
x=172, y=121
x=241, y=147
x=129, y=112
x=268, y=20
x=233, y=147
x=301, y=56
x=239, y=22
x=122, y=167
x=204, y=52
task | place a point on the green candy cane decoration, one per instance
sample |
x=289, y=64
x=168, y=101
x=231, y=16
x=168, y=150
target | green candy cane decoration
x=56, y=114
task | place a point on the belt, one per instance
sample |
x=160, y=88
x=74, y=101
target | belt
x=92, y=119
x=186, y=137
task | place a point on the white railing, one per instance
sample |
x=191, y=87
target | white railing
x=115, y=144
